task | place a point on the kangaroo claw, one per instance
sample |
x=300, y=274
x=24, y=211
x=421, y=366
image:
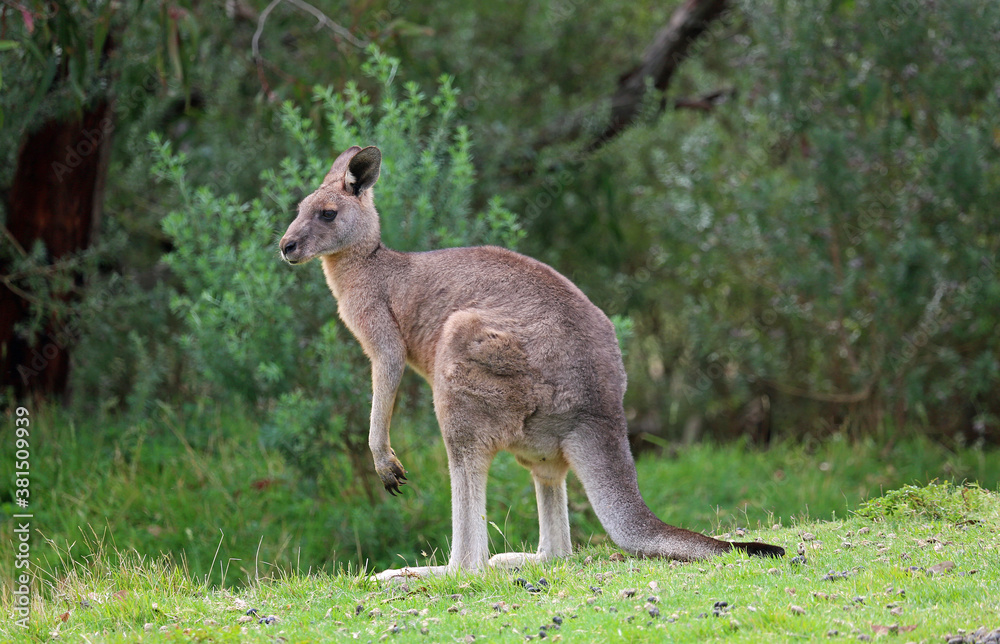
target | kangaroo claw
x=392, y=474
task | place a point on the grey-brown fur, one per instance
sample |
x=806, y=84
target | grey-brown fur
x=518, y=359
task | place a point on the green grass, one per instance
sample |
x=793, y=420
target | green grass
x=863, y=576
x=239, y=527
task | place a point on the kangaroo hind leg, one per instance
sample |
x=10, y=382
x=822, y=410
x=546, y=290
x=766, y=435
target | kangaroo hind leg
x=553, y=517
x=482, y=395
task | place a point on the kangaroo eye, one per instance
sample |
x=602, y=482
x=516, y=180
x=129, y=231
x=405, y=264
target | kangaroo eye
x=328, y=215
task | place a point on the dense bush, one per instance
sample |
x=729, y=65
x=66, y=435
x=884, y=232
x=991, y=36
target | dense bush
x=820, y=253
x=261, y=332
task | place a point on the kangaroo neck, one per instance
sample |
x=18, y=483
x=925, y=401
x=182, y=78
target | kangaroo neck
x=345, y=269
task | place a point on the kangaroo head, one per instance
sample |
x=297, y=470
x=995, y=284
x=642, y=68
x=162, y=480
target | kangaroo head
x=341, y=213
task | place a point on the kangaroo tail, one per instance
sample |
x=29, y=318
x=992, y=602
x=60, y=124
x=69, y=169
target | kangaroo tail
x=603, y=463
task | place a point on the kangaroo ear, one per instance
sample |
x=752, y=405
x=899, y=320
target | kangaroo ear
x=339, y=167
x=363, y=170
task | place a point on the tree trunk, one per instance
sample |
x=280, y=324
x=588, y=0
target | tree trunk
x=56, y=197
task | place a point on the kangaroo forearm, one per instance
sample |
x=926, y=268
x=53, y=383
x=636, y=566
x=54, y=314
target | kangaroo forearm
x=386, y=375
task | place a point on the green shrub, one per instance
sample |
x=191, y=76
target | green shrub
x=266, y=333
x=966, y=503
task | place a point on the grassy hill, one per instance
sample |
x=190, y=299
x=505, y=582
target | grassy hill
x=918, y=564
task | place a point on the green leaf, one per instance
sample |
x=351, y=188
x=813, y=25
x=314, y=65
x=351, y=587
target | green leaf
x=101, y=27
x=43, y=87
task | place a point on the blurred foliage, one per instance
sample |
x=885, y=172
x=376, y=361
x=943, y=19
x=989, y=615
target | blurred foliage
x=818, y=254
x=815, y=255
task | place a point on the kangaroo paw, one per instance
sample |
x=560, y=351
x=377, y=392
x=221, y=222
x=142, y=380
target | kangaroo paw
x=391, y=471
x=760, y=549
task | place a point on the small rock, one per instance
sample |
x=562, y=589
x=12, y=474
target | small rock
x=808, y=536
x=616, y=556
x=773, y=571
x=798, y=610
x=800, y=560
x=628, y=592
x=654, y=612
x=589, y=560
x=940, y=568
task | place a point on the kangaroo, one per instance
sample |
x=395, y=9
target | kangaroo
x=518, y=359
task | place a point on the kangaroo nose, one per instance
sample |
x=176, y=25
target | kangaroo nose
x=289, y=247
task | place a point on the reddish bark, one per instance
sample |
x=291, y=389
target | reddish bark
x=56, y=197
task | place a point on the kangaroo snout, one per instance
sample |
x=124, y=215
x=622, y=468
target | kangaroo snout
x=291, y=250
